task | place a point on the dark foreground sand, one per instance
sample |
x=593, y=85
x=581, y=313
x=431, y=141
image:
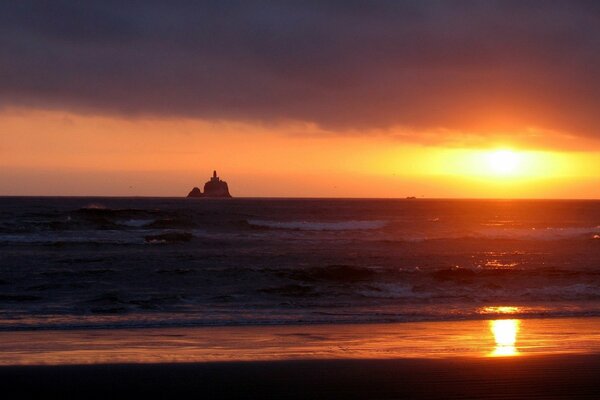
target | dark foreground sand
x=540, y=377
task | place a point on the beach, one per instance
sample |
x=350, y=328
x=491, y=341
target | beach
x=549, y=358
x=541, y=377
x=291, y=298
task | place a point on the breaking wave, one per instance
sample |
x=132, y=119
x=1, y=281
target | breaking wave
x=136, y=223
x=75, y=237
x=527, y=234
x=319, y=225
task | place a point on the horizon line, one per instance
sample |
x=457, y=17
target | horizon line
x=408, y=198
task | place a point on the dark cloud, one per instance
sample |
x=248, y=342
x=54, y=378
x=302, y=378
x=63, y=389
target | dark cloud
x=466, y=65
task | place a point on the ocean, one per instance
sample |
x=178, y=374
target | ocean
x=79, y=262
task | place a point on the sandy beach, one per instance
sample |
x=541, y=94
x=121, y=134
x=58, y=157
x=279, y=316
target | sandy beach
x=416, y=340
x=542, y=377
x=537, y=358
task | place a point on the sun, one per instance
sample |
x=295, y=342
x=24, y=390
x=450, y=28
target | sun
x=503, y=162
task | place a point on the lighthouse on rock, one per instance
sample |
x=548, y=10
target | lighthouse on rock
x=215, y=187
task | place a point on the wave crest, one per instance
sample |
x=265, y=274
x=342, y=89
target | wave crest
x=351, y=225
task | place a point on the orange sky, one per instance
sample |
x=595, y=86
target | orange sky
x=62, y=153
x=342, y=99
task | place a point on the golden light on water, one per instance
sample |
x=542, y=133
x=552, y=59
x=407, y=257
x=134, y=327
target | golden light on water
x=505, y=335
x=500, y=310
x=505, y=331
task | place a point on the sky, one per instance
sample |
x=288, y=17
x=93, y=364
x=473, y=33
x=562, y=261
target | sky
x=302, y=99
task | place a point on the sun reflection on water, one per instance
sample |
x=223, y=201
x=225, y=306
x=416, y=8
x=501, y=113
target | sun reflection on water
x=505, y=334
x=500, y=310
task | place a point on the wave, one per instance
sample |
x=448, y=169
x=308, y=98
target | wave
x=484, y=292
x=169, y=237
x=111, y=218
x=319, y=225
x=524, y=234
x=171, y=223
x=330, y=273
x=549, y=233
x=72, y=237
x=418, y=285
x=118, y=317
x=99, y=219
x=136, y=223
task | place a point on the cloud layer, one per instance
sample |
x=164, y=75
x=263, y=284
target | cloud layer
x=474, y=66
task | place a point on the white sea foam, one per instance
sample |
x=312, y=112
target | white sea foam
x=320, y=225
x=136, y=223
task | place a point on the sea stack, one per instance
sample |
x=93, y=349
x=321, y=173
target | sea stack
x=215, y=187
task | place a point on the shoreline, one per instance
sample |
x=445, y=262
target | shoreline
x=234, y=325
x=503, y=358
x=399, y=340
x=182, y=197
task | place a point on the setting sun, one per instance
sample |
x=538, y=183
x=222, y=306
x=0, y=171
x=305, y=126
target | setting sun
x=503, y=162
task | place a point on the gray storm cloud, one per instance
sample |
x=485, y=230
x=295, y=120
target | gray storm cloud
x=467, y=65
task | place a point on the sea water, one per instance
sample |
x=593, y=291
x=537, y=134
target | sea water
x=80, y=262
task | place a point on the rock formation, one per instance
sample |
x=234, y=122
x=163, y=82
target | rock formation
x=195, y=193
x=215, y=187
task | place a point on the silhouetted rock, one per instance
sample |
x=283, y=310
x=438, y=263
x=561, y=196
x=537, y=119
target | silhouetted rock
x=195, y=193
x=213, y=188
x=216, y=187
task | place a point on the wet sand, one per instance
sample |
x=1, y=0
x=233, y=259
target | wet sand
x=480, y=338
x=541, y=377
x=541, y=358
